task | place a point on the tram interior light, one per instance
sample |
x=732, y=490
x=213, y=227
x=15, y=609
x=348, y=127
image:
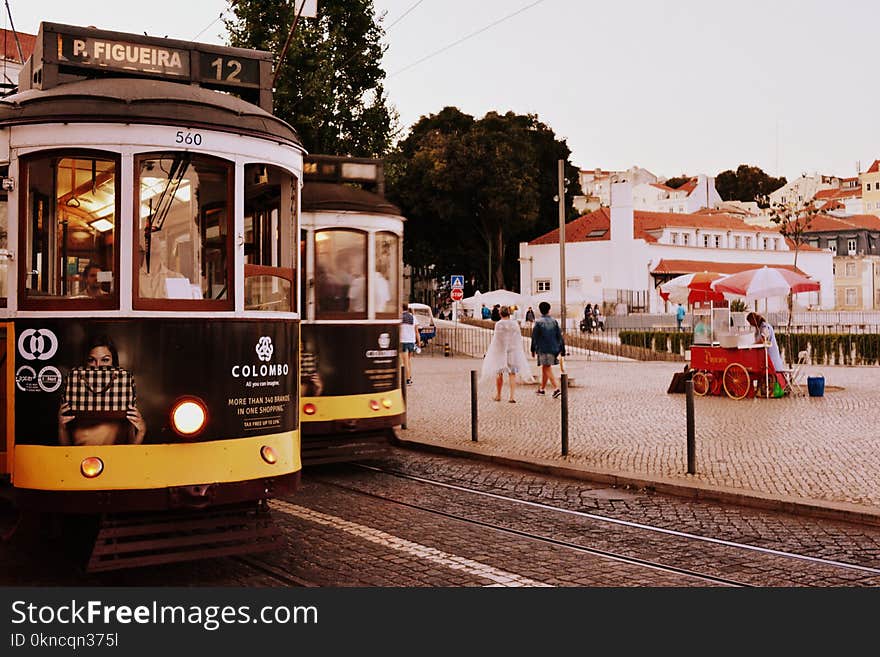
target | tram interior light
x=101, y=225
x=189, y=416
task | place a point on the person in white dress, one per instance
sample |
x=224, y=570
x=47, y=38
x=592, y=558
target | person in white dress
x=505, y=355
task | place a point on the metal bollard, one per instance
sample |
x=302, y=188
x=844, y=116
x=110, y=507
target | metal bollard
x=564, y=387
x=691, y=448
x=474, y=405
x=403, y=393
x=446, y=351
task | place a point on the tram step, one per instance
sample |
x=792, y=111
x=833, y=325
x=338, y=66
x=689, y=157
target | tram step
x=131, y=540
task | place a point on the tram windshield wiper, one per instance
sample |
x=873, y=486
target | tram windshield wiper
x=158, y=213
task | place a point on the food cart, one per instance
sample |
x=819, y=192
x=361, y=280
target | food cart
x=725, y=360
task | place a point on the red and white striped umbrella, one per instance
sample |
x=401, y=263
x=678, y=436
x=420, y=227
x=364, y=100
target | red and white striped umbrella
x=765, y=282
x=692, y=288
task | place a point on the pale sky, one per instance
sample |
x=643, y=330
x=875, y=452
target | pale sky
x=675, y=86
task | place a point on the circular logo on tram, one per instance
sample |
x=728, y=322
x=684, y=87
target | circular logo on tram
x=49, y=379
x=26, y=379
x=265, y=349
x=384, y=341
x=37, y=344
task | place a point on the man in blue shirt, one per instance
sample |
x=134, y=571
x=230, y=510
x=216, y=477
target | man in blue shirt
x=484, y=312
x=547, y=345
x=679, y=316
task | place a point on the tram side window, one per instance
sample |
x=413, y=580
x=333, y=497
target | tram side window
x=269, y=223
x=70, y=229
x=184, y=250
x=340, y=274
x=386, y=276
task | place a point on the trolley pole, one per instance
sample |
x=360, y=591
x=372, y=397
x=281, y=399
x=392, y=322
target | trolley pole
x=403, y=393
x=564, y=387
x=691, y=449
x=474, y=405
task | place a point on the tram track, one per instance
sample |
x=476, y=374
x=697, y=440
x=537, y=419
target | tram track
x=830, y=563
x=273, y=572
x=604, y=554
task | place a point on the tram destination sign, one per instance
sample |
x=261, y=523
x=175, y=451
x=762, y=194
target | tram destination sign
x=122, y=55
x=66, y=53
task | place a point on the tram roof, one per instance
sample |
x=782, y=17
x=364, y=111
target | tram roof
x=318, y=196
x=130, y=100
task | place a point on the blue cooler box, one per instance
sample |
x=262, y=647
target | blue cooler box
x=816, y=386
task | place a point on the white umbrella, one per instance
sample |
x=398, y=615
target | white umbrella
x=501, y=297
x=764, y=282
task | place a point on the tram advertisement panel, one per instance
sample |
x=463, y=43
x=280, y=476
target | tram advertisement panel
x=343, y=359
x=120, y=380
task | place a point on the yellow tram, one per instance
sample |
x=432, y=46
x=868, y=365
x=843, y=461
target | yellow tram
x=149, y=212
x=351, y=240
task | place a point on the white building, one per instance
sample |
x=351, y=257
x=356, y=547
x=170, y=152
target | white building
x=697, y=193
x=619, y=253
x=803, y=189
x=596, y=183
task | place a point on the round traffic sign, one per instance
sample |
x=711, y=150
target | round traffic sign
x=457, y=294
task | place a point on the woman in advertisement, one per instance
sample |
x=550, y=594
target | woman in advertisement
x=100, y=352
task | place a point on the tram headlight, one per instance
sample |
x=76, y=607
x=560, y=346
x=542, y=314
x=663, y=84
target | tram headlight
x=387, y=403
x=91, y=467
x=189, y=415
x=374, y=405
x=309, y=409
x=268, y=455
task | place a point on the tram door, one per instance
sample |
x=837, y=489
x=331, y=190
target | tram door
x=5, y=405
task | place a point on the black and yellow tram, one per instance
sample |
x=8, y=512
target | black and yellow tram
x=148, y=272
x=350, y=241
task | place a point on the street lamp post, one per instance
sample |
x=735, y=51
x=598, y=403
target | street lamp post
x=561, y=199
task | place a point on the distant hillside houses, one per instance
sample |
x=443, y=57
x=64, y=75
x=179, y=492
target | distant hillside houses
x=649, y=192
x=621, y=254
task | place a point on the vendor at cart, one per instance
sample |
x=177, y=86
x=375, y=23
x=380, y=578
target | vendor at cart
x=764, y=334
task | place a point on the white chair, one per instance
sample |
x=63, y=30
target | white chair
x=795, y=375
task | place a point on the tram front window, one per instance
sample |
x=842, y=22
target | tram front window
x=269, y=222
x=183, y=230
x=340, y=274
x=70, y=230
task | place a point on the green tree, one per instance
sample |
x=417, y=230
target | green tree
x=677, y=182
x=330, y=83
x=472, y=189
x=747, y=183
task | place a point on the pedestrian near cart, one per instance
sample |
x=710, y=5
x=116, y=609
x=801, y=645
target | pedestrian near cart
x=547, y=345
x=764, y=334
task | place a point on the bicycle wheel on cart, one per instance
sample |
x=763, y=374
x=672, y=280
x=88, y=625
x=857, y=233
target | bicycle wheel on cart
x=736, y=380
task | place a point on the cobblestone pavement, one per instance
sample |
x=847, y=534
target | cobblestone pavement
x=824, y=451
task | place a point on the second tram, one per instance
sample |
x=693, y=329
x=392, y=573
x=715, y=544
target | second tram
x=148, y=235
x=351, y=241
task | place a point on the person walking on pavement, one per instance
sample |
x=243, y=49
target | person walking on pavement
x=496, y=312
x=505, y=355
x=547, y=345
x=409, y=331
x=679, y=316
x=530, y=316
x=484, y=312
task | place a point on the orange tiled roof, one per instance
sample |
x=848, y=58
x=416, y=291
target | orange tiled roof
x=824, y=223
x=10, y=49
x=644, y=224
x=874, y=168
x=837, y=194
x=666, y=266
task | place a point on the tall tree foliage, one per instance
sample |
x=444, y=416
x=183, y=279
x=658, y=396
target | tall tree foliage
x=747, y=183
x=330, y=83
x=473, y=189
